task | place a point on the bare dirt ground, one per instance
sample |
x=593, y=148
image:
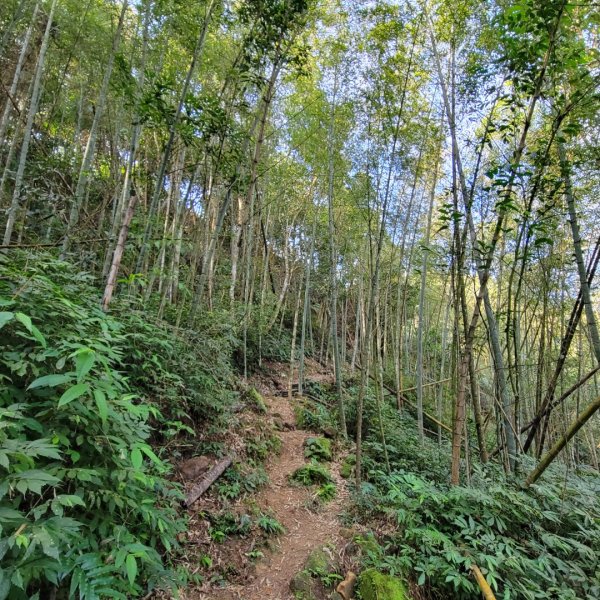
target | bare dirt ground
x=306, y=527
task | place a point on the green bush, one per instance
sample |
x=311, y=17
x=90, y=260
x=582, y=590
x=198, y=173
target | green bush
x=318, y=448
x=314, y=417
x=311, y=474
x=84, y=503
x=537, y=543
x=326, y=492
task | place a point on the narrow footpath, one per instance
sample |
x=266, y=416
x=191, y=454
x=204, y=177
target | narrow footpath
x=306, y=528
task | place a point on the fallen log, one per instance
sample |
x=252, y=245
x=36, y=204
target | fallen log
x=208, y=480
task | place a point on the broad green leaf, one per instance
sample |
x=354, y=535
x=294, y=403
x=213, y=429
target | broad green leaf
x=84, y=361
x=49, y=381
x=131, y=566
x=73, y=393
x=150, y=454
x=34, y=480
x=5, y=317
x=26, y=320
x=136, y=458
x=37, y=334
x=100, y=399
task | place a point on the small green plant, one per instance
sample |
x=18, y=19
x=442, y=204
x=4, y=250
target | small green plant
x=255, y=555
x=311, y=474
x=347, y=467
x=318, y=448
x=206, y=561
x=326, y=492
x=261, y=445
x=228, y=523
x=270, y=525
x=329, y=579
x=314, y=417
x=216, y=535
x=255, y=401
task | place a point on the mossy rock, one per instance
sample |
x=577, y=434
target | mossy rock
x=311, y=474
x=304, y=587
x=320, y=562
x=307, y=584
x=347, y=467
x=318, y=448
x=374, y=585
x=255, y=400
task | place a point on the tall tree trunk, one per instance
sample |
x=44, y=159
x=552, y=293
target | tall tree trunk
x=158, y=188
x=118, y=254
x=133, y=147
x=333, y=265
x=90, y=148
x=11, y=96
x=588, y=307
x=306, y=308
x=424, y=264
x=33, y=108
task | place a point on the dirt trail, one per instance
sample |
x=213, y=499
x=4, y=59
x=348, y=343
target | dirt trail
x=305, y=529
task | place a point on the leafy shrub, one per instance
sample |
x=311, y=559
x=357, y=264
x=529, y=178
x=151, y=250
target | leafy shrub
x=188, y=373
x=261, y=445
x=84, y=503
x=537, y=543
x=347, y=467
x=317, y=448
x=311, y=474
x=227, y=523
x=255, y=401
x=270, y=525
x=238, y=480
x=314, y=417
x=326, y=492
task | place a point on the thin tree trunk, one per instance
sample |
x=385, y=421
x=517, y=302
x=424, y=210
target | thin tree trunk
x=158, y=188
x=581, y=269
x=90, y=148
x=118, y=254
x=33, y=108
x=424, y=264
x=8, y=108
x=306, y=308
x=333, y=266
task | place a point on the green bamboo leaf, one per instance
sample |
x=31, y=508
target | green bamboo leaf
x=49, y=381
x=131, y=566
x=150, y=454
x=37, y=334
x=26, y=320
x=136, y=458
x=73, y=393
x=5, y=317
x=100, y=398
x=84, y=361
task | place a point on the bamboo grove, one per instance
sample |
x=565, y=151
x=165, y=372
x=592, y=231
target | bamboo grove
x=409, y=188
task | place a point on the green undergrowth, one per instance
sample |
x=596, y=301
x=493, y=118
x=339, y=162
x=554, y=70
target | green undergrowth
x=226, y=524
x=311, y=474
x=318, y=448
x=543, y=542
x=88, y=403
